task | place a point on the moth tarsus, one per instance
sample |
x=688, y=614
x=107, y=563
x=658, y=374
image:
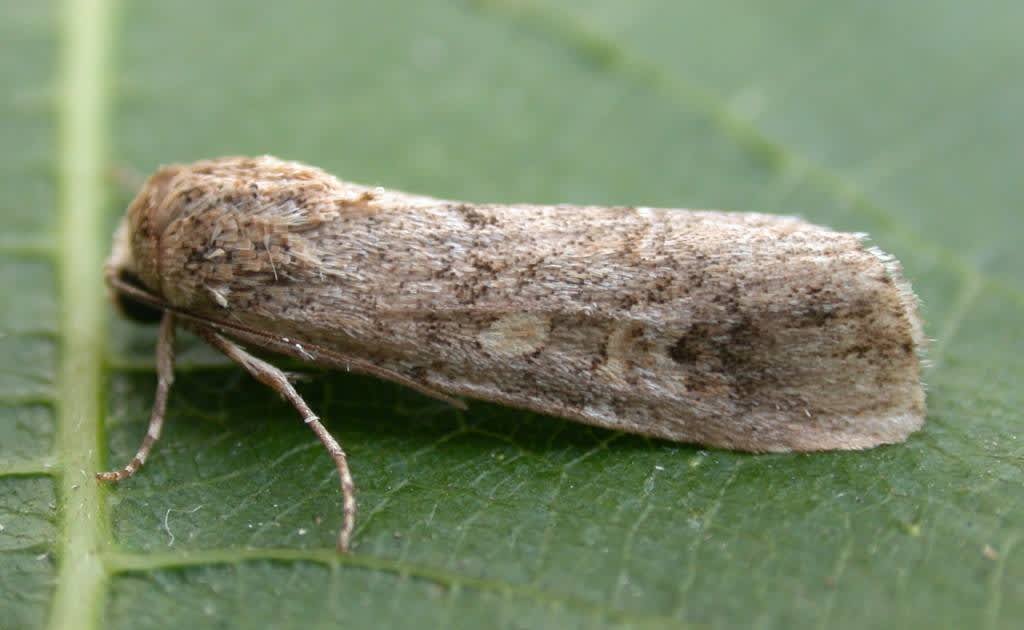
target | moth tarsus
x=277, y=380
x=741, y=331
x=165, y=378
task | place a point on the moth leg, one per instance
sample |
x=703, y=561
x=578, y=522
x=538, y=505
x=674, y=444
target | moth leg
x=278, y=381
x=164, y=379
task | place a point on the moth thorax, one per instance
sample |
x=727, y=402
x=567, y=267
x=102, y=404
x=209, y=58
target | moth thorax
x=149, y=214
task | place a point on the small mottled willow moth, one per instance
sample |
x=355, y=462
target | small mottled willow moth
x=740, y=331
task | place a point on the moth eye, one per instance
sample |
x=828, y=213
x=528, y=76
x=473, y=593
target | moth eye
x=132, y=308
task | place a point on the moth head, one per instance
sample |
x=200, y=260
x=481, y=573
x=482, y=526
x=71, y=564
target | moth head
x=133, y=261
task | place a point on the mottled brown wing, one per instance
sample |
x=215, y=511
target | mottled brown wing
x=734, y=330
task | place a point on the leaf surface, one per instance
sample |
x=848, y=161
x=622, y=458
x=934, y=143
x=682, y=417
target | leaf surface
x=903, y=120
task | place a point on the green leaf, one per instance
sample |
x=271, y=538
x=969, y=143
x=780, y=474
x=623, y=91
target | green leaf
x=904, y=120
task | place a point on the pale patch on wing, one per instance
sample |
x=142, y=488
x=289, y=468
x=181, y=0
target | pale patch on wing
x=619, y=350
x=516, y=334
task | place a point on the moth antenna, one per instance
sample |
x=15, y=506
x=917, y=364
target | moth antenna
x=164, y=380
x=278, y=381
x=335, y=359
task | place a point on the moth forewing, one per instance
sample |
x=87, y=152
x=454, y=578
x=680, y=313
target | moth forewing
x=733, y=330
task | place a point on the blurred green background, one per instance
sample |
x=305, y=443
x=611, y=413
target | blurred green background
x=901, y=119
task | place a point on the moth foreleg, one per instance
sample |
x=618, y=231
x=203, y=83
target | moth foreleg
x=278, y=381
x=164, y=380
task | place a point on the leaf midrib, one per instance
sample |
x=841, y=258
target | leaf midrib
x=82, y=578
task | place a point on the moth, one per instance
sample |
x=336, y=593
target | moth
x=732, y=330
